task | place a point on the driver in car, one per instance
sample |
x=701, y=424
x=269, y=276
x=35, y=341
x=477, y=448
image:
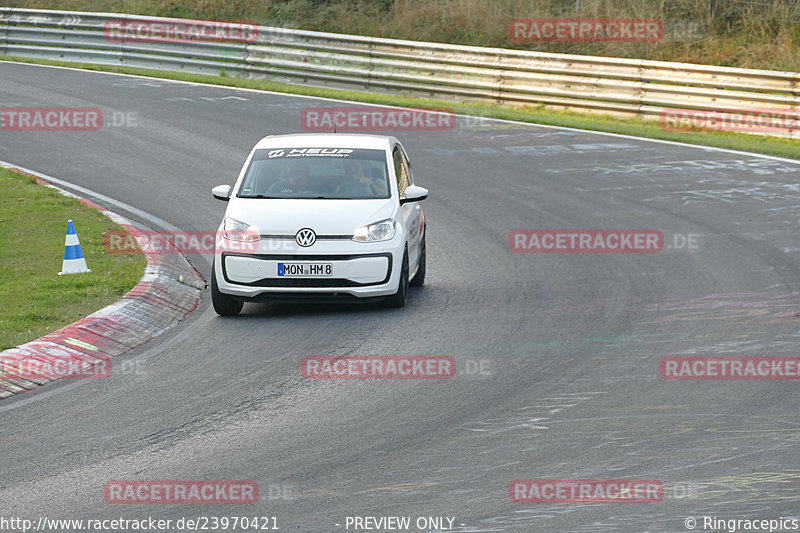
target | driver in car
x=297, y=179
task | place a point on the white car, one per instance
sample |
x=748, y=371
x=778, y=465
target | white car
x=320, y=216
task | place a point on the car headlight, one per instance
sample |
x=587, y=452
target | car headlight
x=239, y=231
x=379, y=231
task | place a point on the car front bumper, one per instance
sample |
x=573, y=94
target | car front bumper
x=359, y=270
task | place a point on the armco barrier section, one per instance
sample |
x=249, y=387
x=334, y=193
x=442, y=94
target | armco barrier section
x=612, y=86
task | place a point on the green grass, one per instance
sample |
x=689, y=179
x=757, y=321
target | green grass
x=636, y=127
x=34, y=299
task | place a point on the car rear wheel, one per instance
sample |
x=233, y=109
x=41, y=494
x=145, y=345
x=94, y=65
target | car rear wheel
x=419, y=277
x=223, y=304
x=400, y=298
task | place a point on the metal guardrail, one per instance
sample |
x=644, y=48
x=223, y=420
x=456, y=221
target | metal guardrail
x=612, y=86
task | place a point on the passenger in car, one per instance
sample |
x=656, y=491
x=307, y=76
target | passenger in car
x=359, y=183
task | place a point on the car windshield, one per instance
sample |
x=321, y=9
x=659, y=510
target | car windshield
x=324, y=173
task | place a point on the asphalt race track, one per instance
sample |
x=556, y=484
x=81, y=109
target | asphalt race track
x=557, y=353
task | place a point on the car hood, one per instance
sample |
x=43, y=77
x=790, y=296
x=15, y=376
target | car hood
x=325, y=217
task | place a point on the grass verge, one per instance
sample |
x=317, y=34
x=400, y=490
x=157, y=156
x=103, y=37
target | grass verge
x=34, y=299
x=636, y=127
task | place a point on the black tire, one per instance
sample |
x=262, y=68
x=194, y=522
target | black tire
x=224, y=305
x=400, y=298
x=419, y=278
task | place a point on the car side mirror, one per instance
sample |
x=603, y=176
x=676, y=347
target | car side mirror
x=221, y=192
x=414, y=194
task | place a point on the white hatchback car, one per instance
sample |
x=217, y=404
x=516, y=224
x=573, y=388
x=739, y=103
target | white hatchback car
x=320, y=216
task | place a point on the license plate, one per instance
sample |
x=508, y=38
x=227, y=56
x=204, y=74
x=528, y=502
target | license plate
x=305, y=270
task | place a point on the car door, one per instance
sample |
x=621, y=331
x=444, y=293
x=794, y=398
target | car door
x=410, y=213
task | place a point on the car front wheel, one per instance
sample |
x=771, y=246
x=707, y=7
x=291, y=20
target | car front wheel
x=419, y=278
x=223, y=304
x=400, y=298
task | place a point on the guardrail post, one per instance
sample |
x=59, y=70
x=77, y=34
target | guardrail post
x=5, y=15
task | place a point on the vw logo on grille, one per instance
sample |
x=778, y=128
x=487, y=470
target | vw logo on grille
x=306, y=237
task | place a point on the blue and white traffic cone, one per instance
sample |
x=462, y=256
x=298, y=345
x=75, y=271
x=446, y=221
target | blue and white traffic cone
x=74, y=262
